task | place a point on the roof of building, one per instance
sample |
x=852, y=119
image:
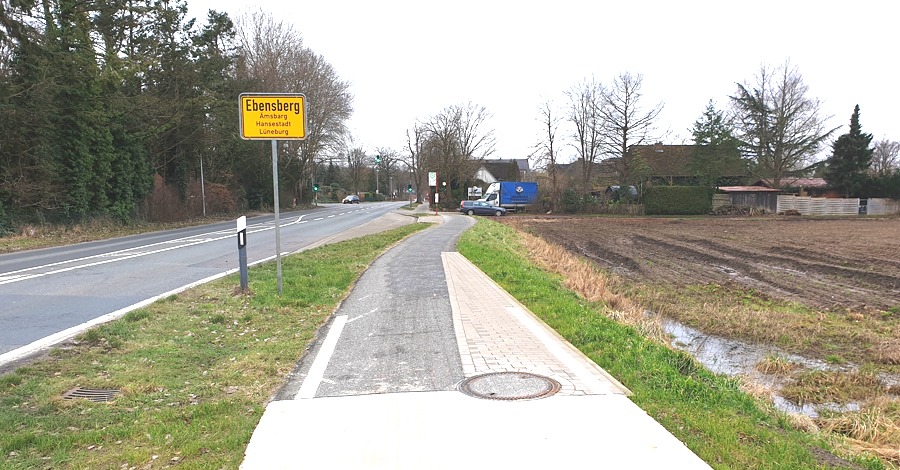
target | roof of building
x=793, y=182
x=506, y=170
x=675, y=160
x=747, y=189
x=666, y=160
x=523, y=163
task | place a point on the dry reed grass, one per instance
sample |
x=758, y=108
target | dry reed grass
x=774, y=364
x=888, y=351
x=822, y=386
x=592, y=284
x=755, y=389
x=874, y=429
x=720, y=310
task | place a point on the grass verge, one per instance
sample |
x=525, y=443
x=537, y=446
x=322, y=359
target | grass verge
x=723, y=425
x=195, y=370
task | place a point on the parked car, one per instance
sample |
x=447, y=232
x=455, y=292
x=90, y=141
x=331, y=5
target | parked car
x=480, y=208
x=351, y=199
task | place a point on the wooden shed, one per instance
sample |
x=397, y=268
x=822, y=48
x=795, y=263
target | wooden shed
x=747, y=196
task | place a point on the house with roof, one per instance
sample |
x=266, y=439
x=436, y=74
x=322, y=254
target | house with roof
x=492, y=171
x=673, y=165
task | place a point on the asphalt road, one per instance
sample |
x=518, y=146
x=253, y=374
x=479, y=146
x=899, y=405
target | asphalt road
x=44, y=293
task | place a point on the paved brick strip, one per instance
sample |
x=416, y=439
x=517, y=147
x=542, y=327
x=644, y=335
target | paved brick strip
x=495, y=333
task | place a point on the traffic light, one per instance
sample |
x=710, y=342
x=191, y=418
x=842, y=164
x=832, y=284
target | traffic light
x=377, y=158
x=409, y=188
x=315, y=187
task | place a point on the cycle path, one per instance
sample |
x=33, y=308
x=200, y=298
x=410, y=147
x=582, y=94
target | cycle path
x=407, y=372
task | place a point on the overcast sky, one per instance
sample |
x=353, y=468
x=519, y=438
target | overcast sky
x=408, y=60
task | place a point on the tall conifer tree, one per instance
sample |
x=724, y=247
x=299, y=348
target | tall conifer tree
x=846, y=169
x=718, y=152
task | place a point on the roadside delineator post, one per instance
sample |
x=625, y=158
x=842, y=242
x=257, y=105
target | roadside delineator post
x=242, y=251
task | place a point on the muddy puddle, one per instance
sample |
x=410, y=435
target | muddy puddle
x=734, y=358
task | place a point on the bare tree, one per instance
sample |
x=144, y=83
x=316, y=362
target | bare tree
x=267, y=47
x=387, y=168
x=886, y=158
x=455, y=141
x=330, y=106
x=415, y=161
x=585, y=100
x=779, y=126
x=273, y=56
x=625, y=125
x=546, y=150
x=358, y=164
x=475, y=142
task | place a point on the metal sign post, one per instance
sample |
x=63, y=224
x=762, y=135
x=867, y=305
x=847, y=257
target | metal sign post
x=432, y=181
x=277, y=211
x=242, y=252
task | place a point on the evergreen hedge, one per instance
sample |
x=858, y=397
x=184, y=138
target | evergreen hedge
x=883, y=186
x=677, y=200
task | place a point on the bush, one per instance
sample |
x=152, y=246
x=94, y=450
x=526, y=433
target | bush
x=887, y=186
x=571, y=201
x=6, y=225
x=677, y=200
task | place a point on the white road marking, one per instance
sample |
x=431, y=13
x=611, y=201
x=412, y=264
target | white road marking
x=320, y=363
x=122, y=255
x=363, y=315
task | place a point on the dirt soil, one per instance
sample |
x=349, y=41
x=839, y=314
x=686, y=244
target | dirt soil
x=848, y=263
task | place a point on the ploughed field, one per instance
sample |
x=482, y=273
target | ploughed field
x=849, y=263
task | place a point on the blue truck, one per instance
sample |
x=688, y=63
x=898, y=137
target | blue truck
x=512, y=195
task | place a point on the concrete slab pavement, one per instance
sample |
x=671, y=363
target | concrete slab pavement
x=449, y=430
x=589, y=422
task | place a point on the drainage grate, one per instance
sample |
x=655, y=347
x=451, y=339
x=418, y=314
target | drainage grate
x=91, y=394
x=509, y=386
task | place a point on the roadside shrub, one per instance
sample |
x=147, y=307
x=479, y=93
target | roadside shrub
x=571, y=201
x=677, y=200
x=164, y=204
x=887, y=186
x=6, y=225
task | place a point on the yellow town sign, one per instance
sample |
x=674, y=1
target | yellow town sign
x=266, y=116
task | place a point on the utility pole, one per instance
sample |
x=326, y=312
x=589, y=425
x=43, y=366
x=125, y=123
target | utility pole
x=202, y=188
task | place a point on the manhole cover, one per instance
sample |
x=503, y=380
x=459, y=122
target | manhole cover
x=91, y=394
x=509, y=386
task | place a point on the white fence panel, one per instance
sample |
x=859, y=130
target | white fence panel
x=818, y=205
x=832, y=206
x=883, y=207
x=842, y=206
